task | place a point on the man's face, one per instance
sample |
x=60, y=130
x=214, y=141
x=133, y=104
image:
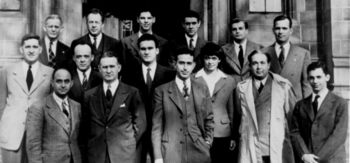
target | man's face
x=95, y=24
x=148, y=51
x=52, y=28
x=62, y=82
x=83, y=57
x=184, y=66
x=30, y=50
x=146, y=21
x=211, y=62
x=239, y=32
x=191, y=26
x=259, y=66
x=282, y=31
x=318, y=80
x=109, y=68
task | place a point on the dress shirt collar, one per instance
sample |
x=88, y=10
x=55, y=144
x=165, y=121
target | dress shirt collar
x=244, y=47
x=59, y=101
x=140, y=34
x=153, y=67
x=180, y=84
x=210, y=80
x=195, y=38
x=286, y=49
x=322, y=95
x=114, y=86
x=99, y=38
x=34, y=68
x=81, y=76
x=47, y=44
x=202, y=73
x=263, y=81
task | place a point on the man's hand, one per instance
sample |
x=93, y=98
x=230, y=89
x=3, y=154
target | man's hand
x=232, y=145
x=309, y=158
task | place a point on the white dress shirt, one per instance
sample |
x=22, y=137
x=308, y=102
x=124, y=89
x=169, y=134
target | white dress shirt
x=322, y=95
x=114, y=86
x=195, y=37
x=81, y=76
x=286, y=49
x=210, y=80
x=34, y=69
x=59, y=102
x=98, y=39
x=244, y=47
x=53, y=47
x=153, y=67
x=180, y=84
x=258, y=82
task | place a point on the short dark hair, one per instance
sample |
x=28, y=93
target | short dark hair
x=96, y=11
x=237, y=20
x=316, y=65
x=250, y=56
x=81, y=44
x=55, y=70
x=283, y=17
x=108, y=54
x=183, y=50
x=30, y=36
x=146, y=9
x=191, y=14
x=148, y=37
x=211, y=49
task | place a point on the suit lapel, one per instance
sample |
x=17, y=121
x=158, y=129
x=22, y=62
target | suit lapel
x=55, y=113
x=43, y=56
x=74, y=114
x=265, y=93
x=326, y=105
x=174, y=95
x=199, y=44
x=98, y=103
x=249, y=49
x=120, y=95
x=39, y=78
x=275, y=65
x=77, y=89
x=246, y=92
x=19, y=77
x=308, y=108
x=292, y=59
x=158, y=75
x=218, y=86
x=133, y=40
x=60, y=54
x=233, y=55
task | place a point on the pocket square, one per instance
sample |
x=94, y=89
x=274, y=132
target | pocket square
x=123, y=105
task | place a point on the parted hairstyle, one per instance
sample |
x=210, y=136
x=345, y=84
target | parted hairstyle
x=96, y=11
x=183, y=50
x=268, y=56
x=148, y=37
x=109, y=54
x=191, y=14
x=211, y=49
x=316, y=65
x=30, y=36
x=54, y=16
x=237, y=20
x=283, y=17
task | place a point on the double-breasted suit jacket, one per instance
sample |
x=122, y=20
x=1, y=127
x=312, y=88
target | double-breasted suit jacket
x=231, y=65
x=61, y=55
x=167, y=134
x=117, y=134
x=51, y=136
x=15, y=100
x=323, y=135
x=181, y=43
x=294, y=68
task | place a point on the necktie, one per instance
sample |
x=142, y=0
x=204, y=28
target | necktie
x=191, y=44
x=52, y=58
x=109, y=93
x=64, y=109
x=95, y=43
x=240, y=56
x=29, y=77
x=84, y=81
x=315, y=104
x=281, y=57
x=149, y=80
x=261, y=87
x=185, y=91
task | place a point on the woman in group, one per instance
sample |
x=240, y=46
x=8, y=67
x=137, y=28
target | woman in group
x=221, y=87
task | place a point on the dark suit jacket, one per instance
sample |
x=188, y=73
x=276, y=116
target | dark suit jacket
x=51, y=136
x=119, y=132
x=107, y=44
x=61, y=54
x=222, y=102
x=231, y=63
x=181, y=42
x=323, y=135
x=167, y=120
x=294, y=69
x=130, y=50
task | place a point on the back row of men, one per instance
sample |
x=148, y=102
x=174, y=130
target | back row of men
x=171, y=101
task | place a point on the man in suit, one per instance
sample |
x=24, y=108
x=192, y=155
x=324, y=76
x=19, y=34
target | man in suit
x=146, y=78
x=53, y=124
x=236, y=60
x=54, y=53
x=264, y=104
x=183, y=124
x=221, y=88
x=101, y=42
x=116, y=117
x=190, y=22
x=130, y=48
x=288, y=60
x=22, y=84
x=320, y=121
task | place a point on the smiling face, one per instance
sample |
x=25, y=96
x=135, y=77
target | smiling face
x=52, y=28
x=83, y=57
x=239, y=32
x=184, y=66
x=282, y=31
x=62, y=82
x=318, y=80
x=95, y=24
x=146, y=21
x=211, y=63
x=259, y=66
x=191, y=25
x=148, y=51
x=30, y=50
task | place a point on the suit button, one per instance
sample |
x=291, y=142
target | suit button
x=180, y=129
x=180, y=117
x=181, y=142
x=106, y=126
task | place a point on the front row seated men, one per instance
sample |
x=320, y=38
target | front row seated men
x=116, y=118
x=183, y=124
x=320, y=121
x=53, y=124
x=263, y=103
